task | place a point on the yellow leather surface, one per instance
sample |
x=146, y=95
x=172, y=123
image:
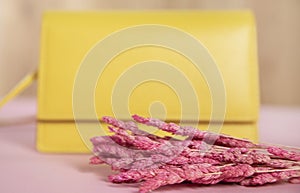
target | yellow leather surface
x=67, y=37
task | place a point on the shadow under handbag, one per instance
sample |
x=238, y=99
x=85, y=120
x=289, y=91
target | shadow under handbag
x=194, y=67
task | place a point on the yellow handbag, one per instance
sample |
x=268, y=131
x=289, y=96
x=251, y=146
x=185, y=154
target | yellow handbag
x=157, y=78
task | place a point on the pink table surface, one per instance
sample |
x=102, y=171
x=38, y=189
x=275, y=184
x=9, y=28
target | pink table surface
x=23, y=169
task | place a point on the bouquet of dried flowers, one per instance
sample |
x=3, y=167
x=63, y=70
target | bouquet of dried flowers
x=198, y=156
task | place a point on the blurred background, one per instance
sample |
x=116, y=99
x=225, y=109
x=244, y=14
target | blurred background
x=278, y=26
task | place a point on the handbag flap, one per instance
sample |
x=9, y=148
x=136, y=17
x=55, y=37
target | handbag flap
x=125, y=85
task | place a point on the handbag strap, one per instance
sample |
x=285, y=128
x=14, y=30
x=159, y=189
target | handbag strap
x=22, y=85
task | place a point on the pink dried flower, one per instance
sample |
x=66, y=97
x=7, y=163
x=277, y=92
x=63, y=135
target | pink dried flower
x=272, y=177
x=133, y=175
x=197, y=173
x=212, y=176
x=129, y=125
x=284, y=154
x=195, y=133
x=95, y=160
x=237, y=173
x=275, y=163
x=236, y=155
x=170, y=127
x=139, y=142
x=295, y=180
x=181, y=160
x=233, y=142
x=160, y=180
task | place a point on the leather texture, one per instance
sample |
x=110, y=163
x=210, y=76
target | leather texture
x=67, y=37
